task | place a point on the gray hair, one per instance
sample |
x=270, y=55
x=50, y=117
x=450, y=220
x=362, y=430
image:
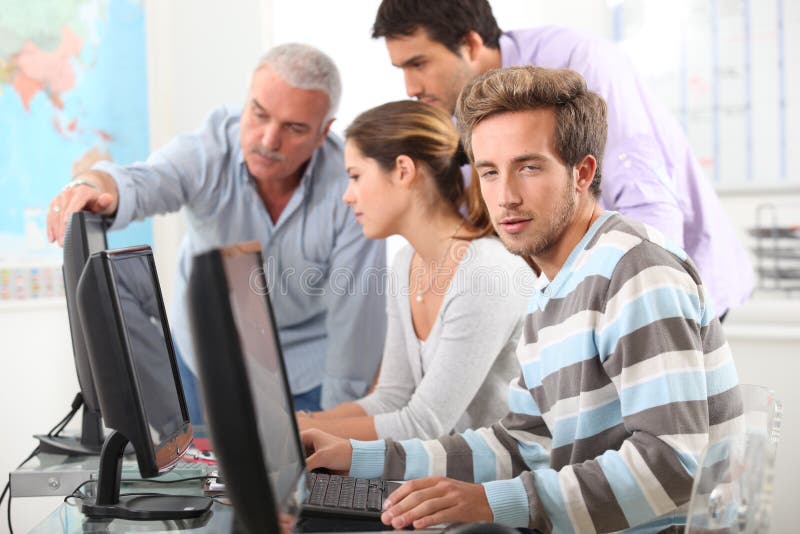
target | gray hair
x=305, y=67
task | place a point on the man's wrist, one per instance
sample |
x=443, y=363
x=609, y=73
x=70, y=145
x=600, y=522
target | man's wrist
x=81, y=181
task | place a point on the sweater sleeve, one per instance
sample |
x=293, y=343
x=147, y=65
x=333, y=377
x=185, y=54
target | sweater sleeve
x=514, y=445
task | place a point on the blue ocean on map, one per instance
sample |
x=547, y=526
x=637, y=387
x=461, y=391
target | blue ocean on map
x=108, y=105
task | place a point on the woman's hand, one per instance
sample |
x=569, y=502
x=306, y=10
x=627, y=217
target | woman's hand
x=326, y=451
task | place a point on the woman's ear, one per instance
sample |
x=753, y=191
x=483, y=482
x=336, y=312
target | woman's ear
x=405, y=170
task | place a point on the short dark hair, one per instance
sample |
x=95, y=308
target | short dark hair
x=445, y=21
x=581, y=115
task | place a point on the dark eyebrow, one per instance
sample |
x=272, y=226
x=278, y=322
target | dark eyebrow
x=528, y=157
x=412, y=59
x=518, y=159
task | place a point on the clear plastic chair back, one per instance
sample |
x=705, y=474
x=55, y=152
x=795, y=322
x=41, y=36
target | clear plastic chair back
x=732, y=490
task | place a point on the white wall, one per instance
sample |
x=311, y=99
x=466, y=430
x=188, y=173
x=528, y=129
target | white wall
x=200, y=53
x=764, y=336
x=37, y=383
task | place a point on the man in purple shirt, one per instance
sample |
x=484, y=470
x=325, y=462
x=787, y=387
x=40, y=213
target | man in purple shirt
x=649, y=171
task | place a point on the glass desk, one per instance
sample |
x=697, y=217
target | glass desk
x=47, y=475
x=59, y=475
x=68, y=519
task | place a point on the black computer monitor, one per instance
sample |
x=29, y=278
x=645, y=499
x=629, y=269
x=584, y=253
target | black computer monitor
x=85, y=235
x=245, y=389
x=138, y=385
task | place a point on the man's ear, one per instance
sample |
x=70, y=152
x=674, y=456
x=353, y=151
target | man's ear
x=324, y=133
x=472, y=45
x=405, y=170
x=584, y=172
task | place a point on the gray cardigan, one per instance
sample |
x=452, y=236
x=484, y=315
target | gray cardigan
x=458, y=377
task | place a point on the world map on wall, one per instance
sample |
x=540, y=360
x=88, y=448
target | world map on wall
x=73, y=91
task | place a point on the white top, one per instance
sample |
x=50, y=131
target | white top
x=458, y=377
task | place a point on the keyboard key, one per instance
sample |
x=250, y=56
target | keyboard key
x=374, y=498
x=318, y=493
x=348, y=490
x=334, y=489
x=360, y=495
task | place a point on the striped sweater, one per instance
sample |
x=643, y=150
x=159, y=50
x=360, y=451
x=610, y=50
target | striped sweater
x=625, y=377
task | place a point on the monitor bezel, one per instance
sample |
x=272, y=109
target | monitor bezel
x=226, y=389
x=119, y=388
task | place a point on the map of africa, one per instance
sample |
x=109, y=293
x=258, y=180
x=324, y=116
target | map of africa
x=73, y=90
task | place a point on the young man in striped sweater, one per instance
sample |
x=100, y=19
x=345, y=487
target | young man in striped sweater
x=626, y=374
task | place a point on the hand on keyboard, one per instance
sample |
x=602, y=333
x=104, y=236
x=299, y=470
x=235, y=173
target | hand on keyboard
x=429, y=501
x=327, y=451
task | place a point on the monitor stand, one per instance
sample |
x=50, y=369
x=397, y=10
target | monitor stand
x=110, y=504
x=88, y=443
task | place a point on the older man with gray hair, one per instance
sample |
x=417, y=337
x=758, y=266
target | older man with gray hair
x=273, y=172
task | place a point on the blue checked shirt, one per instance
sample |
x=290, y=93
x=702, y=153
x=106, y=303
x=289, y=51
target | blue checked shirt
x=323, y=275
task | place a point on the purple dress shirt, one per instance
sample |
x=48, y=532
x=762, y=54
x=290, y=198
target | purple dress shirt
x=649, y=171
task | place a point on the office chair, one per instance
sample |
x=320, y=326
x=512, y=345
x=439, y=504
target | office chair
x=732, y=490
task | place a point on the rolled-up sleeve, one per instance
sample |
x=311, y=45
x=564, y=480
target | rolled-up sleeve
x=174, y=175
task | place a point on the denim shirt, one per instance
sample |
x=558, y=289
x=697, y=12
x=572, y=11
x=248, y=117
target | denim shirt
x=320, y=269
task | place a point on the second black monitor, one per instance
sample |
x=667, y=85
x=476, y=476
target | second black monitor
x=138, y=385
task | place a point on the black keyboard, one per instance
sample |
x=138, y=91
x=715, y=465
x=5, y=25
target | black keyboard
x=345, y=493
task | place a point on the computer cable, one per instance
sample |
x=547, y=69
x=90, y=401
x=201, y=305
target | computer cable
x=7, y=489
x=77, y=402
x=77, y=495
